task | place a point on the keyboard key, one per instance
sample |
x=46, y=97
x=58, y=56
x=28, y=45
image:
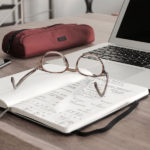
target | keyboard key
x=124, y=55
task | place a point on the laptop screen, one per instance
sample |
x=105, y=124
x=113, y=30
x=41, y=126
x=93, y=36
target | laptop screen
x=136, y=22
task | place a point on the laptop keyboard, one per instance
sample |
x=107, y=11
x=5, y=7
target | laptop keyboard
x=124, y=55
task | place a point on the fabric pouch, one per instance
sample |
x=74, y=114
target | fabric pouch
x=33, y=42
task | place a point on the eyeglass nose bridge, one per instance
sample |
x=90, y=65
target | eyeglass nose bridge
x=72, y=70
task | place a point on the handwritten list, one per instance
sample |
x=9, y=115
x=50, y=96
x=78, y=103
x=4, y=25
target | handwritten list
x=74, y=103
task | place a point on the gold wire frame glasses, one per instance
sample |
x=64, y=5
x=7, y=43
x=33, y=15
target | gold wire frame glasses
x=66, y=68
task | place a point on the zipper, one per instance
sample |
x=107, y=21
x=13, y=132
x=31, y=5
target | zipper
x=42, y=29
x=21, y=41
x=10, y=41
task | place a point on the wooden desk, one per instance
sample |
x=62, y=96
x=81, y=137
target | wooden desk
x=132, y=133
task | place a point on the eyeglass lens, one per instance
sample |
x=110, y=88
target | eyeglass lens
x=93, y=67
x=59, y=61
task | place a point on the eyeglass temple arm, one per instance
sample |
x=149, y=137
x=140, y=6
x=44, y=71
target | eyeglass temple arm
x=22, y=79
x=101, y=94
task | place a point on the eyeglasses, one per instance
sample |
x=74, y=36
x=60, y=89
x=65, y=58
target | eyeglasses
x=46, y=59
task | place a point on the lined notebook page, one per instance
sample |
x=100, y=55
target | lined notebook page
x=77, y=105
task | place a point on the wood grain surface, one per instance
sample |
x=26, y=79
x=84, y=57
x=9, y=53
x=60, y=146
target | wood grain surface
x=132, y=133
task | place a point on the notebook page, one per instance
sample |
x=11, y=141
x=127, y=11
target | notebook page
x=48, y=104
x=83, y=104
x=38, y=83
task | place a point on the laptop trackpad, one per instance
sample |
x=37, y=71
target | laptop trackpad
x=127, y=73
x=141, y=79
x=117, y=70
x=121, y=71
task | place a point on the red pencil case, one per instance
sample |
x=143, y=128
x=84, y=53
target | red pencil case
x=33, y=42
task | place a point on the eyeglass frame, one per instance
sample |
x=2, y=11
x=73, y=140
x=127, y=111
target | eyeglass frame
x=40, y=67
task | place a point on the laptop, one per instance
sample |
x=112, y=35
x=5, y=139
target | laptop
x=126, y=56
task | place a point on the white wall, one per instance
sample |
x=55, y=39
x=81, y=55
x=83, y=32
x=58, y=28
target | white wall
x=76, y=7
x=107, y=6
x=68, y=7
x=36, y=10
x=6, y=1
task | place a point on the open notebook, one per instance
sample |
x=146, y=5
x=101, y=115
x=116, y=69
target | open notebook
x=65, y=102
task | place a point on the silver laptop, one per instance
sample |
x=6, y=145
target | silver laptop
x=127, y=55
